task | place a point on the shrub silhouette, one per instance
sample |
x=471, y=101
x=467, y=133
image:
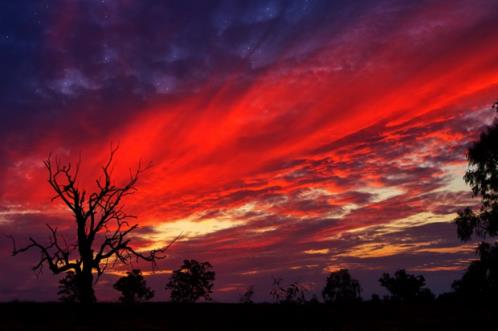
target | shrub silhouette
x=277, y=292
x=193, y=281
x=246, y=297
x=101, y=227
x=314, y=299
x=480, y=280
x=294, y=293
x=68, y=288
x=340, y=287
x=405, y=287
x=133, y=288
x=375, y=298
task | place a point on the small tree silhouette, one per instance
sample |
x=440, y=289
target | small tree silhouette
x=133, y=288
x=246, y=297
x=341, y=287
x=277, y=291
x=375, y=298
x=101, y=227
x=405, y=287
x=294, y=293
x=314, y=299
x=68, y=288
x=193, y=281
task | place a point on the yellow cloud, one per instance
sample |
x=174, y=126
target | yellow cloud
x=190, y=228
x=371, y=250
x=317, y=251
x=451, y=250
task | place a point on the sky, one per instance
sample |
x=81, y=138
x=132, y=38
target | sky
x=285, y=138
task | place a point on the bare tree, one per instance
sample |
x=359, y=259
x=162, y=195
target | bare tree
x=101, y=225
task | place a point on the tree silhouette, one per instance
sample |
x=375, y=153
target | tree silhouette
x=314, y=299
x=68, y=288
x=482, y=176
x=192, y=281
x=246, y=297
x=405, y=287
x=294, y=293
x=375, y=298
x=340, y=287
x=277, y=291
x=101, y=227
x=133, y=288
x=480, y=280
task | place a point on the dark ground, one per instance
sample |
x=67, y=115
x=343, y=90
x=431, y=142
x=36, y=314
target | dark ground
x=166, y=316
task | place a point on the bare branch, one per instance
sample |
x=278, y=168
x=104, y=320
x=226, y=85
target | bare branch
x=57, y=261
x=99, y=215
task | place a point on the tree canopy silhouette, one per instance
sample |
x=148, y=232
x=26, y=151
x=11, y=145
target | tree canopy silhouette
x=481, y=277
x=293, y=293
x=340, y=287
x=133, y=288
x=68, y=288
x=480, y=280
x=405, y=287
x=192, y=281
x=246, y=297
x=482, y=176
x=101, y=227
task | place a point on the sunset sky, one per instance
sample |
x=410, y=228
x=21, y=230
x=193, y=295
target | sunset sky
x=285, y=138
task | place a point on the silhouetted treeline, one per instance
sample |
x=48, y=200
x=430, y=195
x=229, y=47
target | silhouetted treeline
x=194, y=281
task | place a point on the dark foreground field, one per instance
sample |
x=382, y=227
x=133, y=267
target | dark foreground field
x=165, y=316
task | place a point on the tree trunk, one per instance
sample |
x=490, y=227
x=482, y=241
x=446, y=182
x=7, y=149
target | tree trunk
x=86, y=294
x=85, y=281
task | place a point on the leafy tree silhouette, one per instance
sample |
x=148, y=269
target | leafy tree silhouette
x=405, y=287
x=101, y=227
x=482, y=176
x=133, y=288
x=193, y=281
x=314, y=299
x=340, y=287
x=481, y=278
x=247, y=295
x=294, y=293
x=277, y=291
x=68, y=288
